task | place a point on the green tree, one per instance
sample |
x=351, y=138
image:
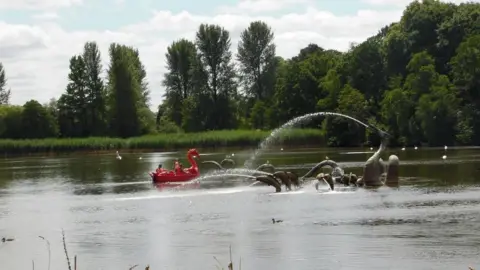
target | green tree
x=437, y=112
x=300, y=83
x=256, y=57
x=144, y=100
x=342, y=132
x=124, y=92
x=179, y=80
x=11, y=122
x=455, y=29
x=466, y=69
x=365, y=67
x=73, y=117
x=421, y=22
x=466, y=73
x=213, y=43
x=4, y=93
x=395, y=50
x=397, y=108
x=94, y=89
x=37, y=122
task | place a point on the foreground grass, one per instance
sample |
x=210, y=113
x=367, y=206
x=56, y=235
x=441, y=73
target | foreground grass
x=75, y=265
x=208, y=139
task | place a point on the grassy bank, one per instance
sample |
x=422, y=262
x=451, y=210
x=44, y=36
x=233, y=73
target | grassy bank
x=163, y=142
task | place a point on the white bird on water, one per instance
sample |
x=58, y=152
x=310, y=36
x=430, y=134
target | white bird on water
x=371, y=148
x=403, y=149
x=118, y=156
x=445, y=156
x=415, y=148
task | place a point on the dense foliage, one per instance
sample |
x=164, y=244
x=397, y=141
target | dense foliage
x=418, y=78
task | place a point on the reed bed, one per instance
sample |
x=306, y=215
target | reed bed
x=75, y=265
x=208, y=139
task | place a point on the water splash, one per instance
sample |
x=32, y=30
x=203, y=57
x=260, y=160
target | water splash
x=242, y=171
x=295, y=121
x=223, y=175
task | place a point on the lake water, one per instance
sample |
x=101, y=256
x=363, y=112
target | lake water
x=113, y=218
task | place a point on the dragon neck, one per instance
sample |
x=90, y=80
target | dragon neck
x=192, y=160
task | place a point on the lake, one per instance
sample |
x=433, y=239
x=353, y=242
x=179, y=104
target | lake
x=113, y=218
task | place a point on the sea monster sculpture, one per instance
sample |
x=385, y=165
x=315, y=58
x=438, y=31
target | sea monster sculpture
x=327, y=178
x=267, y=179
x=337, y=172
x=282, y=178
x=294, y=179
x=376, y=172
x=270, y=180
x=267, y=167
x=275, y=179
x=286, y=178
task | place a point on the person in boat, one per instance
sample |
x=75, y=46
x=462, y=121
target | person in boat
x=160, y=168
x=178, y=167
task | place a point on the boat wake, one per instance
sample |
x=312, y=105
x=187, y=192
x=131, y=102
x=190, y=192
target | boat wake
x=335, y=192
x=113, y=184
x=185, y=194
x=296, y=192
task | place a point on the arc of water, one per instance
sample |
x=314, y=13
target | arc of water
x=297, y=120
x=223, y=175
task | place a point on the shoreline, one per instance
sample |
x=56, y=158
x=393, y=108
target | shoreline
x=209, y=140
x=172, y=142
x=178, y=150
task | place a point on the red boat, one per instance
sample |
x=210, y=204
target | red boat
x=177, y=185
x=178, y=174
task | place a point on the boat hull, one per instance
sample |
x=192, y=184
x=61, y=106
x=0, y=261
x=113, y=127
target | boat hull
x=177, y=185
x=170, y=177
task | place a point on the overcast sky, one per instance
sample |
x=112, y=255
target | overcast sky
x=37, y=37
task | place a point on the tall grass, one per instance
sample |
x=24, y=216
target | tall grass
x=75, y=266
x=208, y=139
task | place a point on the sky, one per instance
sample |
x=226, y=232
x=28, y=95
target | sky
x=38, y=37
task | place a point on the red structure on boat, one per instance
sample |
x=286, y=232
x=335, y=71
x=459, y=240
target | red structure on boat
x=178, y=174
x=177, y=185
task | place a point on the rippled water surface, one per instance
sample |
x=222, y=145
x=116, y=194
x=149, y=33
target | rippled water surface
x=114, y=218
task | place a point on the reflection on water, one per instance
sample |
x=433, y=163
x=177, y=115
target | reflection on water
x=114, y=218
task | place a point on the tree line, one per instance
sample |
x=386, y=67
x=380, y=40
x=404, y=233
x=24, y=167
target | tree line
x=417, y=78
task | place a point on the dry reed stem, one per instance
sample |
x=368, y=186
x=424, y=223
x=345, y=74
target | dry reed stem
x=230, y=265
x=66, y=251
x=49, y=251
x=131, y=268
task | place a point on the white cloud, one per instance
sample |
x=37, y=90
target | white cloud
x=403, y=3
x=256, y=6
x=37, y=4
x=36, y=56
x=46, y=16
